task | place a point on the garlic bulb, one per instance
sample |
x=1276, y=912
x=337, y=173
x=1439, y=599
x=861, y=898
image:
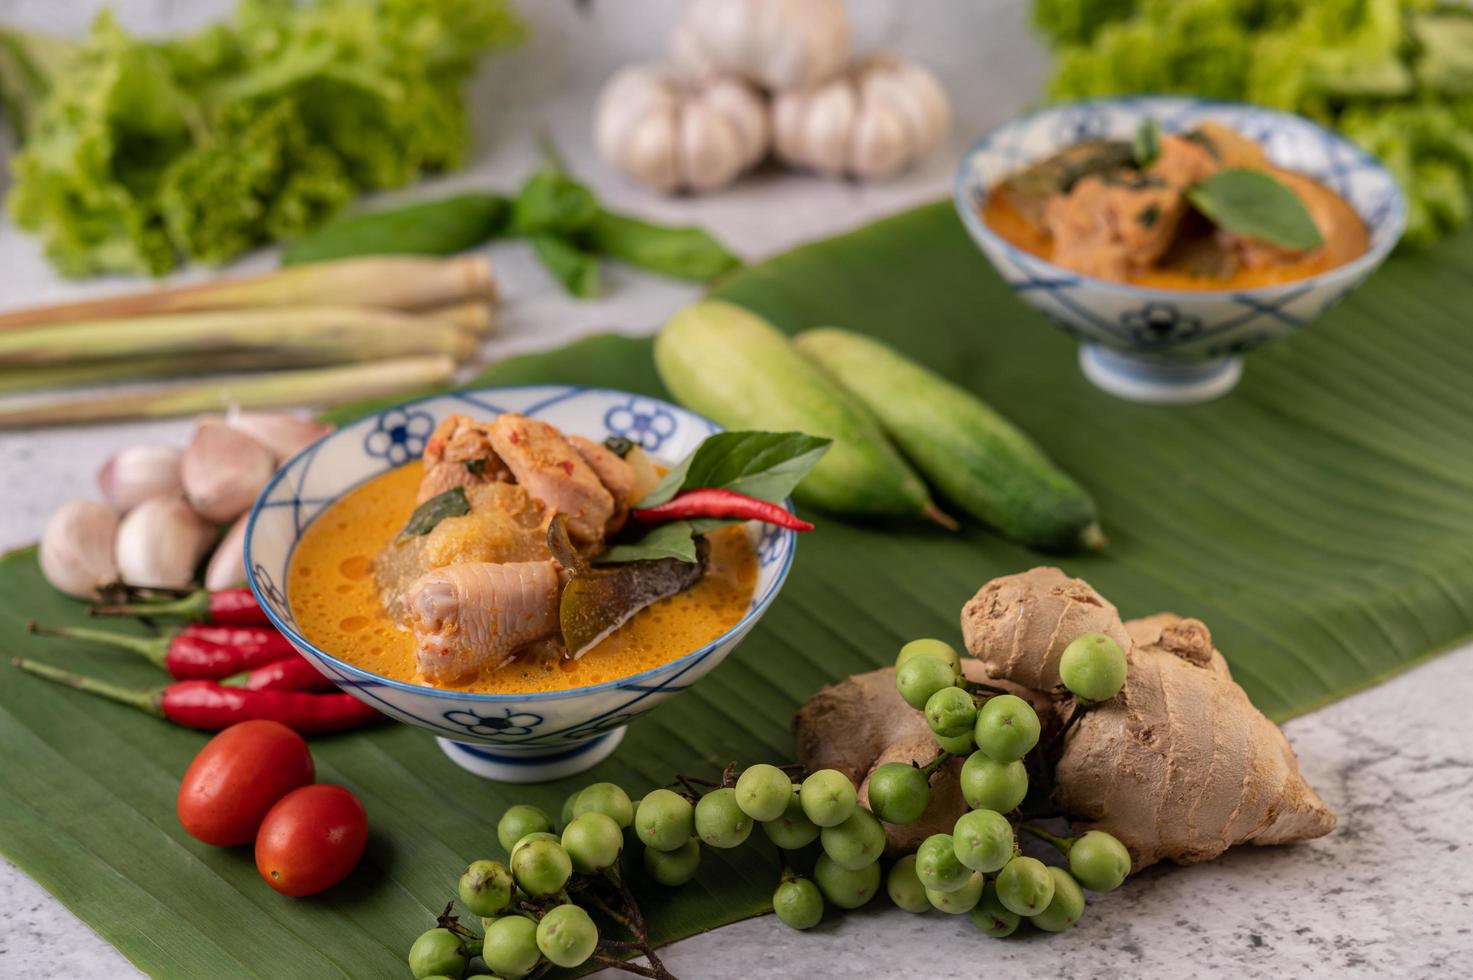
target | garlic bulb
x=281, y=432
x=227, y=564
x=223, y=470
x=134, y=474
x=676, y=135
x=779, y=44
x=77, y=548
x=874, y=121
x=160, y=543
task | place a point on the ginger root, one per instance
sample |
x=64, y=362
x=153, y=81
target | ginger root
x=1179, y=766
x=1019, y=625
x=861, y=723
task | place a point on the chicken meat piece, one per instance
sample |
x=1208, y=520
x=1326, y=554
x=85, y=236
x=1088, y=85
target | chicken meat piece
x=504, y=525
x=554, y=473
x=1233, y=148
x=1186, y=159
x=459, y=454
x=476, y=615
x=1106, y=226
x=617, y=476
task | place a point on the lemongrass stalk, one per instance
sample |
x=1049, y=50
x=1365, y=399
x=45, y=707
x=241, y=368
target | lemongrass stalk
x=475, y=317
x=19, y=381
x=394, y=282
x=317, y=386
x=344, y=333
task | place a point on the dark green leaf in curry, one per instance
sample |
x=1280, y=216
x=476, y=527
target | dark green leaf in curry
x=1030, y=190
x=765, y=465
x=451, y=503
x=1254, y=204
x=598, y=600
x=1146, y=146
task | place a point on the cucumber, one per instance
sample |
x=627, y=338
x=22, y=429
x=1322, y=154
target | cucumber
x=737, y=369
x=970, y=453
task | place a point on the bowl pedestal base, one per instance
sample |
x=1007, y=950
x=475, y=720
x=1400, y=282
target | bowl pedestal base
x=1140, y=378
x=531, y=763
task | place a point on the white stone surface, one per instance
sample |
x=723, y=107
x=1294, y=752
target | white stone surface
x=1389, y=894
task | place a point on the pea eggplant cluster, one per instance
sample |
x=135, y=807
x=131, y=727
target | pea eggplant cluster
x=562, y=899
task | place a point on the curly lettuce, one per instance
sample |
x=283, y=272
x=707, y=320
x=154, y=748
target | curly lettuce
x=137, y=155
x=1396, y=76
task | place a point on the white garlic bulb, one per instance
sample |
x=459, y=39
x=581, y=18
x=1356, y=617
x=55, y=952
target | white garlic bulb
x=675, y=134
x=223, y=470
x=779, y=44
x=283, y=433
x=227, y=564
x=135, y=473
x=876, y=120
x=77, y=548
x=160, y=543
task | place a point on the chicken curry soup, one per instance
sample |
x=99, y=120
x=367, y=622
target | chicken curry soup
x=336, y=601
x=1098, y=209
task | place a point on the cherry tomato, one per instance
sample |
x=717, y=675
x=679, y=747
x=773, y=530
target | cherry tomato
x=311, y=839
x=237, y=777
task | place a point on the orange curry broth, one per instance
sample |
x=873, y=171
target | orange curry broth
x=337, y=606
x=1003, y=218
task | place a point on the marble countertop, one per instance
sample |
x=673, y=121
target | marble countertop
x=1390, y=893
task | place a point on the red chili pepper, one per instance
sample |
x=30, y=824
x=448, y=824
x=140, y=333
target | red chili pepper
x=715, y=502
x=211, y=707
x=292, y=673
x=194, y=653
x=223, y=607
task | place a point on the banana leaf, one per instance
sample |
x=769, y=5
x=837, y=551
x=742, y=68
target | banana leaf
x=1320, y=519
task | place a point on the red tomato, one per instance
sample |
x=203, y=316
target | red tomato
x=311, y=839
x=237, y=777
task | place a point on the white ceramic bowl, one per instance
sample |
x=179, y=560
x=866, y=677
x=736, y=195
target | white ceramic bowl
x=1172, y=345
x=513, y=738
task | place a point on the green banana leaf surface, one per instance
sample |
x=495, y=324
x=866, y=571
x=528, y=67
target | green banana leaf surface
x=1319, y=519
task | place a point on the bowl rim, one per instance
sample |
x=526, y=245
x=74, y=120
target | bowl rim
x=1360, y=266
x=359, y=673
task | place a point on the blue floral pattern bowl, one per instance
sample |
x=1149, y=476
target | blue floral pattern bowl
x=1169, y=345
x=513, y=738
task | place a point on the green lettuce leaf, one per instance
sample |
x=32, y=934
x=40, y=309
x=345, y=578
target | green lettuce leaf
x=143, y=153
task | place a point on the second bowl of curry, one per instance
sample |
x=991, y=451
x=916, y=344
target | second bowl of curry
x=1094, y=213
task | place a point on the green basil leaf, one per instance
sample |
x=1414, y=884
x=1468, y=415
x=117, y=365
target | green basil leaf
x=1254, y=204
x=576, y=269
x=765, y=465
x=451, y=503
x=1146, y=146
x=442, y=227
x=682, y=252
x=552, y=203
x=673, y=540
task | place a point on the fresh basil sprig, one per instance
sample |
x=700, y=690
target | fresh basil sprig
x=765, y=465
x=1256, y=205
